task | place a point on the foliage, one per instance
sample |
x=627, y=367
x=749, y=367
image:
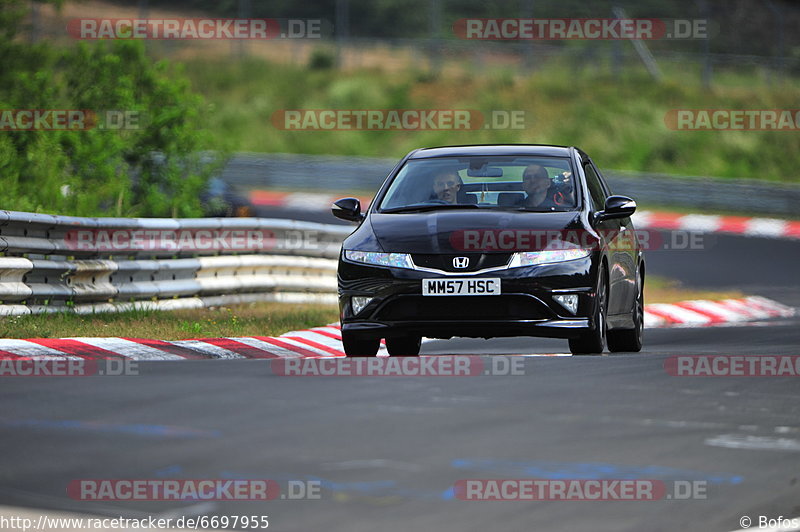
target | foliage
x=149, y=167
x=618, y=120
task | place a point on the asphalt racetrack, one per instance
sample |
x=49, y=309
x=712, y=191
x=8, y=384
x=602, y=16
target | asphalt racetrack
x=387, y=451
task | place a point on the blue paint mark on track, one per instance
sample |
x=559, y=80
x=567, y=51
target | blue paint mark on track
x=169, y=471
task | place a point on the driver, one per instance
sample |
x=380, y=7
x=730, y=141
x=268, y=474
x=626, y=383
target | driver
x=446, y=185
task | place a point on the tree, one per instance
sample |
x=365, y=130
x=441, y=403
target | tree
x=150, y=166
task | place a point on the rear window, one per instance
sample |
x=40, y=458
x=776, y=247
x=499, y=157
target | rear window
x=502, y=182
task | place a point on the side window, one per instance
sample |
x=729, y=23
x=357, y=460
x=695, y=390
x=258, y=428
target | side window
x=595, y=187
x=603, y=181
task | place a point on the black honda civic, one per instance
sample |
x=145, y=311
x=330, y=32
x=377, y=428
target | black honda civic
x=488, y=241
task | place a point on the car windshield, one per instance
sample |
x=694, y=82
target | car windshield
x=540, y=184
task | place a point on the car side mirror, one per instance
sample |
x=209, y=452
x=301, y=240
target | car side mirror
x=616, y=207
x=348, y=209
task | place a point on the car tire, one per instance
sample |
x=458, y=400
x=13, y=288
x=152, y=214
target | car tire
x=404, y=346
x=630, y=340
x=594, y=341
x=359, y=346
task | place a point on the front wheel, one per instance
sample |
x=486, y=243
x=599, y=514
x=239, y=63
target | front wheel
x=593, y=342
x=404, y=346
x=630, y=340
x=358, y=346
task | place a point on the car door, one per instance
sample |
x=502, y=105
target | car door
x=616, y=236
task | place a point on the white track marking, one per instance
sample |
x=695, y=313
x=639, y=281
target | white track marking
x=679, y=314
x=741, y=306
x=651, y=321
x=268, y=347
x=25, y=348
x=700, y=222
x=716, y=309
x=768, y=227
x=128, y=348
x=332, y=330
x=753, y=443
x=318, y=338
x=773, y=307
x=293, y=342
x=209, y=349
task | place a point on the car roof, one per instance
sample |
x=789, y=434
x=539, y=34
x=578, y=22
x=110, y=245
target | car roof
x=492, y=149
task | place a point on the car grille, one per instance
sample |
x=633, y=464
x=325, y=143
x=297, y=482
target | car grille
x=463, y=308
x=477, y=261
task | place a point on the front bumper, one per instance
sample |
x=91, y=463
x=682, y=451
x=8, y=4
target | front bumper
x=558, y=328
x=526, y=306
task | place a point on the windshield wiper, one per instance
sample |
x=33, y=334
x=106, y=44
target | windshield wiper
x=536, y=209
x=430, y=207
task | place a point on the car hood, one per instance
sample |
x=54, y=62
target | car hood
x=443, y=231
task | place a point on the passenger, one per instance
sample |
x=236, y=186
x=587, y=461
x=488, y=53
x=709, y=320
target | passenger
x=564, y=191
x=446, y=185
x=536, y=184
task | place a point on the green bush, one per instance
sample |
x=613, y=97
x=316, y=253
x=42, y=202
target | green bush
x=321, y=60
x=150, y=170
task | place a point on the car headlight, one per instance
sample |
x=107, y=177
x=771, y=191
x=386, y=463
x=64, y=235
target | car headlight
x=532, y=258
x=394, y=260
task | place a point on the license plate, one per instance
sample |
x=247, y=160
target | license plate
x=461, y=287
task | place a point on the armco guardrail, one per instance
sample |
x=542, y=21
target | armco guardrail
x=348, y=174
x=60, y=263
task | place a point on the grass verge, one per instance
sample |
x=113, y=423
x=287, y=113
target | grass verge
x=663, y=290
x=256, y=319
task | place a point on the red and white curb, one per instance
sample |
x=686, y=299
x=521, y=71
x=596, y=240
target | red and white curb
x=312, y=343
x=738, y=225
x=327, y=341
x=703, y=313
